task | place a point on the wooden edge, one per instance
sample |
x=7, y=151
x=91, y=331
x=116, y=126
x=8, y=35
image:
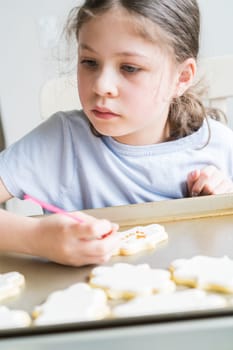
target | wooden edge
x=167, y=211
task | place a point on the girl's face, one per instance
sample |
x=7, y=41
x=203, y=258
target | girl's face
x=125, y=81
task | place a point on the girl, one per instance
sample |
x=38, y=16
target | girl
x=143, y=134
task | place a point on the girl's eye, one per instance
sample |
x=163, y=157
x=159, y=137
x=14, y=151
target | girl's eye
x=130, y=69
x=89, y=63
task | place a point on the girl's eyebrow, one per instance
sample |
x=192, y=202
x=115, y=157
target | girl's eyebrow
x=86, y=47
x=123, y=53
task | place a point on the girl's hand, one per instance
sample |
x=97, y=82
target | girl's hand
x=208, y=180
x=65, y=241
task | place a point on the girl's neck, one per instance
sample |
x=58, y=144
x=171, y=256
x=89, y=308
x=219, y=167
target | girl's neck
x=139, y=139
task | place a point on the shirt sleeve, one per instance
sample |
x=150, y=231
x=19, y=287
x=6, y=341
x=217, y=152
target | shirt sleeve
x=34, y=164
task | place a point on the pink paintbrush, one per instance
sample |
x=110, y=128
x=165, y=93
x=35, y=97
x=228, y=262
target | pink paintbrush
x=53, y=208
x=57, y=210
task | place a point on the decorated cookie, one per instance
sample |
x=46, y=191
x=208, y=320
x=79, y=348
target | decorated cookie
x=128, y=281
x=77, y=303
x=141, y=238
x=13, y=318
x=11, y=284
x=204, y=272
x=190, y=299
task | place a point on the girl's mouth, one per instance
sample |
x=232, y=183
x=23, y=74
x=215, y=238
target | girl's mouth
x=103, y=113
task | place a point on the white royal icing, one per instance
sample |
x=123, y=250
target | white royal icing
x=205, y=272
x=13, y=318
x=192, y=299
x=141, y=238
x=77, y=303
x=10, y=284
x=126, y=280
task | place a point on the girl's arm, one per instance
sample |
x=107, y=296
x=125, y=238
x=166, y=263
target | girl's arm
x=57, y=237
x=208, y=180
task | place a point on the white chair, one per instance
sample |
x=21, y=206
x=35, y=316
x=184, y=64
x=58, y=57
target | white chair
x=62, y=94
x=219, y=75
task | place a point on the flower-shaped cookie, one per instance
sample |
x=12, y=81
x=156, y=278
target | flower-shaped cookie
x=141, y=238
x=180, y=301
x=128, y=281
x=13, y=318
x=11, y=284
x=77, y=303
x=204, y=272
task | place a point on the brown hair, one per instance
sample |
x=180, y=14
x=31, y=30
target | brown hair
x=179, y=24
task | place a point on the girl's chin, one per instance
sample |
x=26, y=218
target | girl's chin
x=105, y=131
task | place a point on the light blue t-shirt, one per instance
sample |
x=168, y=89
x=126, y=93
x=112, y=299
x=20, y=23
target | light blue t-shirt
x=63, y=163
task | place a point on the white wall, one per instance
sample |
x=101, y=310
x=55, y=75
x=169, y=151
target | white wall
x=217, y=27
x=29, y=32
x=28, y=35
x=26, y=62
x=216, y=34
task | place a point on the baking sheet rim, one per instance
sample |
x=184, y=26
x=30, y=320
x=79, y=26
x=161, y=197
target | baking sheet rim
x=167, y=210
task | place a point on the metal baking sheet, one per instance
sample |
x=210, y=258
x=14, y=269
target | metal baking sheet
x=195, y=226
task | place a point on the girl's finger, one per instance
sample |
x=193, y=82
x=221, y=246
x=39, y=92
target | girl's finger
x=89, y=260
x=102, y=248
x=96, y=229
x=208, y=180
x=191, y=179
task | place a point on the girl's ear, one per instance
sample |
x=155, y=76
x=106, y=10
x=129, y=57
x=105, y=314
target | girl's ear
x=186, y=75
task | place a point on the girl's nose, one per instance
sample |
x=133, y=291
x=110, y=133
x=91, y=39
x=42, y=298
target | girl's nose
x=105, y=84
